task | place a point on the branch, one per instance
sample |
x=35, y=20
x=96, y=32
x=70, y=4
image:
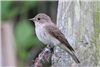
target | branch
x=44, y=55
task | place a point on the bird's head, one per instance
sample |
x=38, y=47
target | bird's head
x=41, y=18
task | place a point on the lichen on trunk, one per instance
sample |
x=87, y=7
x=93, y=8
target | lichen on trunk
x=79, y=21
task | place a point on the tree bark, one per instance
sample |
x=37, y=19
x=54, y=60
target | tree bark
x=79, y=21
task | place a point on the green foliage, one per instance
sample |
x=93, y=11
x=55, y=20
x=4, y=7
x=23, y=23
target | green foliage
x=22, y=54
x=9, y=11
x=31, y=3
x=5, y=11
x=25, y=37
x=23, y=30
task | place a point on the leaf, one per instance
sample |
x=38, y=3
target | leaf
x=5, y=5
x=22, y=54
x=23, y=31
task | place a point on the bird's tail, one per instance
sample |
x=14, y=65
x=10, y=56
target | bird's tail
x=74, y=57
x=70, y=52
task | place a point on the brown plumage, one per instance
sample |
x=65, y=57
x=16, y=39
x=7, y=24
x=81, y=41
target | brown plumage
x=55, y=32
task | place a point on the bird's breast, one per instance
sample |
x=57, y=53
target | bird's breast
x=45, y=37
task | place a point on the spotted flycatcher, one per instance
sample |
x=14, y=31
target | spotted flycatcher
x=48, y=33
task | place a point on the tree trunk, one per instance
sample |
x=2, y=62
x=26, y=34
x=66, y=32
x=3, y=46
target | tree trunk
x=8, y=52
x=79, y=21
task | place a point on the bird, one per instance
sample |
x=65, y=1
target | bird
x=48, y=33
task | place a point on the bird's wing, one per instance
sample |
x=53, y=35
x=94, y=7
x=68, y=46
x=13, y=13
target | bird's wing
x=55, y=32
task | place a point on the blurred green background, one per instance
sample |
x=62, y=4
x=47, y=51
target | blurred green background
x=27, y=46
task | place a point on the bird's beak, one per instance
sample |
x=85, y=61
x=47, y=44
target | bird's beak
x=32, y=19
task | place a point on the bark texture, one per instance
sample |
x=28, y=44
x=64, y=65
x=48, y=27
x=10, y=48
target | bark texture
x=79, y=21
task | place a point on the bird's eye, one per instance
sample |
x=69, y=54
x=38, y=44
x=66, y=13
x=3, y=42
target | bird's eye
x=38, y=18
